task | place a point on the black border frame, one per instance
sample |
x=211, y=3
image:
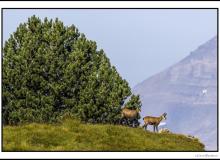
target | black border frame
x=217, y=9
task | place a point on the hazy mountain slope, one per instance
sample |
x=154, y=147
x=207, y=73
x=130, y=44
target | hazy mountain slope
x=187, y=91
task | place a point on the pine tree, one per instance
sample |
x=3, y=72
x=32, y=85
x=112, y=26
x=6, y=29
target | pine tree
x=134, y=102
x=50, y=69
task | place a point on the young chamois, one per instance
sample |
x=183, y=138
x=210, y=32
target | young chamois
x=129, y=114
x=155, y=121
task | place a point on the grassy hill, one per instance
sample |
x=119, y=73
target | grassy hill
x=72, y=135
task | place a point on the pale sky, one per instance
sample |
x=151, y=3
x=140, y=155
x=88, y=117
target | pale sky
x=139, y=42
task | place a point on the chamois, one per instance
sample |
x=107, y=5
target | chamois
x=155, y=121
x=129, y=113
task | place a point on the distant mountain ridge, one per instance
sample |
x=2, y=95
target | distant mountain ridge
x=187, y=91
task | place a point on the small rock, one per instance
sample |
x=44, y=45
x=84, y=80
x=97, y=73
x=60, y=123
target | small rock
x=164, y=130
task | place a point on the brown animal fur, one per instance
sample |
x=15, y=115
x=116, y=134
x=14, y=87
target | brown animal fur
x=130, y=114
x=155, y=121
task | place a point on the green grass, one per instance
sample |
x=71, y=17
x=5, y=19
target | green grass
x=72, y=135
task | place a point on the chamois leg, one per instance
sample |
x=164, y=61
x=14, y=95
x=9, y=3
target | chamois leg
x=146, y=127
x=157, y=128
x=154, y=128
x=133, y=123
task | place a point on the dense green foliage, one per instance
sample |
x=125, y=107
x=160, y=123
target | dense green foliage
x=134, y=102
x=50, y=69
x=72, y=135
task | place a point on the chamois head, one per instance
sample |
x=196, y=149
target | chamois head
x=164, y=116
